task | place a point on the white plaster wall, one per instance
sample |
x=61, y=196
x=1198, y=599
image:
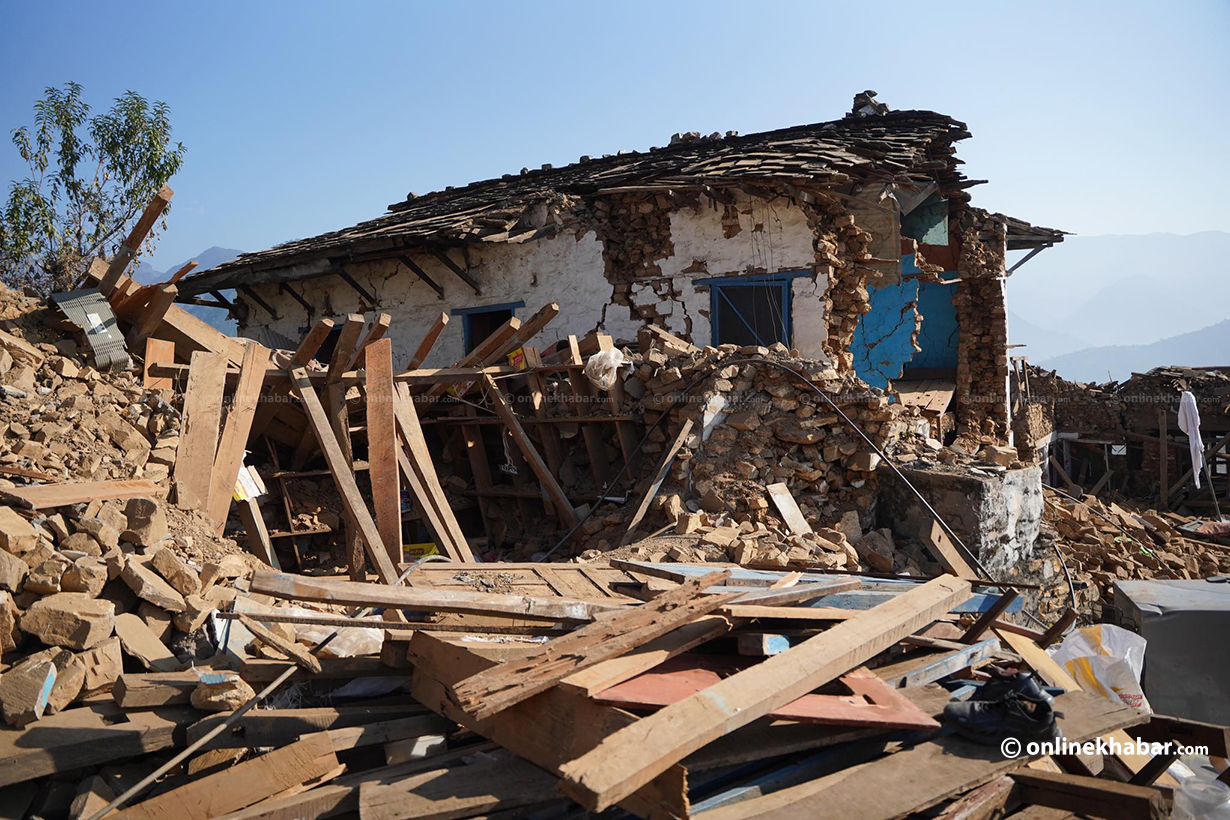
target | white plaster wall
x=569, y=269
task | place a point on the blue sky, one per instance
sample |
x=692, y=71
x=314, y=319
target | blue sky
x=308, y=116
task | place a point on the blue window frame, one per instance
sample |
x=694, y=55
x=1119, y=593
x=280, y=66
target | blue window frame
x=751, y=310
x=478, y=322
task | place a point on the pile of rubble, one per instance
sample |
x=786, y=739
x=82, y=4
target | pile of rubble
x=1103, y=543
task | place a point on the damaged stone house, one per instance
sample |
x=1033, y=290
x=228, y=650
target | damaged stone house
x=852, y=241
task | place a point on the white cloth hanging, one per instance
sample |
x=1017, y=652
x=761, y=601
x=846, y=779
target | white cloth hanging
x=1189, y=422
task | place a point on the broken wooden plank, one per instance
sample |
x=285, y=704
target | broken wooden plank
x=304, y=588
x=916, y=778
x=136, y=236
x=47, y=496
x=556, y=493
x=462, y=791
x=288, y=647
x=382, y=446
x=235, y=434
x=500, y=687
x=429, y=340
x=788, y=508
x=548, y=730
x=152, y=314
x=655, y=484
x=158, y=351
x=202, y=422
x=241, y=785
x=631, y=757
x=343, y=477
x=987, y=619
x=602, y=676
x=425, y=482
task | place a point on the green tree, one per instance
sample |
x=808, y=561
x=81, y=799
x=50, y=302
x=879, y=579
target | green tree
x=90, y=178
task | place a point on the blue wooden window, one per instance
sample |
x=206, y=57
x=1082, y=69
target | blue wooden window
x=751, y=310
x=477, y=323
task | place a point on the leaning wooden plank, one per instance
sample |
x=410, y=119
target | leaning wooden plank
x=202, y=421
x=46, y=496
x=500, y=687
x=235, y=434
x=303, y=354
x=614, y=671
x=155, y=310
x=485, y=348
x=1090, y=796
x=429, y=341
x=375, y=333
x=241, y=785
x=158, y=351
x=659, y=476
x=461, y=791
x=427, y=482
x=88, y=736
x=132, y=245
x=548, y=730
x=788, y=508
x=628, y=759
x=343, y=477
x=304, y=588
x=288, y=647
x=382, y=445
x=919, y=777
x=947, y=553
x=259, y=542
x=554, y=491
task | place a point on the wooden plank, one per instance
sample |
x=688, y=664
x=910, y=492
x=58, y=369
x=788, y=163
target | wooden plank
x=659, y=475
x=427, y=485
x=241, y=785
x=916, y=778
x=304, y=588
x=461, y=791
x=278, y=727
x=147, y=689
x=202, y=422
x=613, y=671
x=382, y=446
x=307, y=350
x=158, y=351
x=380, y=326
x=502, y=408
x=918, y=671
x=989, y=801
x=343, y=477
x=874, y=703
x=476, y=357
x=152, y=314
x=947, y=553
x=987, y=619
x=235, y=434
x=500, y=687
x=631, y=757
x=429, y=340
x=132, y=245
x=259, y=542
x=579, y=387
x=1090, y=796
x=548, y=730
x=788, y=508
x=92, y=735
x=46, y=496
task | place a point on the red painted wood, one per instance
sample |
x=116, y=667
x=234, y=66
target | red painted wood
x=872, y=703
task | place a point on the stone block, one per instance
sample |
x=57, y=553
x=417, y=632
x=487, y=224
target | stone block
x=73, y=620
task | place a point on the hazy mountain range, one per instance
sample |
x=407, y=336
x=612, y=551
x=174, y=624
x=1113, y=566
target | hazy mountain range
x=1102, y=307
x=206, y=259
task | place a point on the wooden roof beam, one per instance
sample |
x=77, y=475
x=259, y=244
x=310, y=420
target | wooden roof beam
x=350, y=280
x=421, y=274
x=462, y=274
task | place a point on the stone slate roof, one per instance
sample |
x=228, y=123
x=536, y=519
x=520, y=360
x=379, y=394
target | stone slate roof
x=901, y=146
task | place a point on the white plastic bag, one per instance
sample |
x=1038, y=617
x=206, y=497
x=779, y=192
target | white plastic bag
x=1108, y=660
x=602, y=369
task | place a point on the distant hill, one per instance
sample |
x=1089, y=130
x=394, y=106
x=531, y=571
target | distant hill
x=1205, y=347
x=206, y=259
x=1093, y=296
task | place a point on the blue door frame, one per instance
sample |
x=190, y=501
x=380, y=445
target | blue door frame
x=717, y=297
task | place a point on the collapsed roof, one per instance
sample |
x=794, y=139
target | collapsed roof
x=911, y=149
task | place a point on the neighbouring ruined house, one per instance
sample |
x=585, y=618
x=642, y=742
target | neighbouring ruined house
x=852, y=241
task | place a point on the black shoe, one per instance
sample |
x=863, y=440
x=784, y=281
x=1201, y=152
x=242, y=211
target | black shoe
x=992, y=721
x=1011, y=680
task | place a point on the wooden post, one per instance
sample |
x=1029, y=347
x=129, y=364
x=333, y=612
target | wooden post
x=119, y=263
x=382, y=446
x=235, y=433
x=199, y=437
x=1163, y=464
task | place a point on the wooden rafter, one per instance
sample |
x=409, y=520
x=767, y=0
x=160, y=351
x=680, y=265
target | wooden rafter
x=462, y=273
